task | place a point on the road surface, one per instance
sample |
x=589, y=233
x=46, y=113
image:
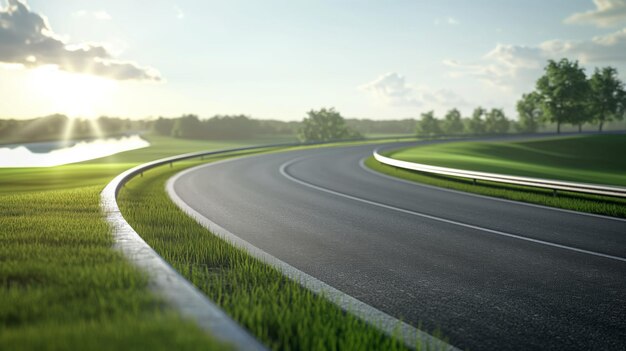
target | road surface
x=491, y=274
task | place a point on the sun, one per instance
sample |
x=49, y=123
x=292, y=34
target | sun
x=73, y=94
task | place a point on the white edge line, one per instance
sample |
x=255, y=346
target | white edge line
x=283, y=171
x=362, y=164
x=381, y=320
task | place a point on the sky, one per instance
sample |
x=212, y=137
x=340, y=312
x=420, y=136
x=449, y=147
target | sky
x=279, y=59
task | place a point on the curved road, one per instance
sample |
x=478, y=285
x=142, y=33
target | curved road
x=491, y=274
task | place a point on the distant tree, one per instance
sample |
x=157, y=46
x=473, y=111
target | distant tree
x=564, y=91
x=274, y=127
x=476, y=124
x=607, y=99
x=452, y=123
x=51, y=127
x=428, y=124
x=110, y=124
x=187, y=126
x=529, y=113
x=368, y=126
x=496, y=122
x=163, y=126
x=231, y=127
x=324, y=125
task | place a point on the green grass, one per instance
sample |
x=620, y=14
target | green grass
x=61, y=285
x=278, y=311
x=584, y=159
x=101, y=171
x=591, y=159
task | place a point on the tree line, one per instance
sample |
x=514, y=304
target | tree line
x=563, y=95
x=57, y=126
x=482, y=121
x=223, y=127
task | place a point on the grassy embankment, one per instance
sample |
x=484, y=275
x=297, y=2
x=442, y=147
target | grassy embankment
x=64, y=288
x=589, y=159
x=278, y=311
x=61, y=285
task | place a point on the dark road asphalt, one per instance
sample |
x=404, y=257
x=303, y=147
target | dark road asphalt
x=445, y=259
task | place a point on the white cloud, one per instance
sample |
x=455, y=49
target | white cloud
x=392, y=89
x=606, y=48
x=607, y=13
x=517, y=67
x=27, y=39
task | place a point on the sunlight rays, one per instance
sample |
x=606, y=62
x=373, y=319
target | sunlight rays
x=69, y=129
x=95, y=126
x=77, y=95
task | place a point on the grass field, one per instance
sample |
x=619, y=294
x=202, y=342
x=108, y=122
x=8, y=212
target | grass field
x=591, y=159
x=278, y=311
x=62, y=286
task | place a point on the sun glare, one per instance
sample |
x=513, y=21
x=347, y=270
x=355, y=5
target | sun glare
x=76, y=95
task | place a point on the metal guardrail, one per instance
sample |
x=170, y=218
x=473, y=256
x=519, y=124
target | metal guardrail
x=554, y=185
x=164, y=279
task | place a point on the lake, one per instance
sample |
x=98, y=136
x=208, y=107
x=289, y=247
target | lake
x=58, y=153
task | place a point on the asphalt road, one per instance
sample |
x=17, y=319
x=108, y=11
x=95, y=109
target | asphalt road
x=491, y=274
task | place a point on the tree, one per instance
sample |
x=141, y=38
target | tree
x=163, y=126
x=529, y=112
x=608, y=98
x=325, y=125
x=428, y=124
x=187, y=126
x=231, y=127
x=476, y=124
x=564, y=91
x=496, y=122
x=110, y=124
x=452, y=123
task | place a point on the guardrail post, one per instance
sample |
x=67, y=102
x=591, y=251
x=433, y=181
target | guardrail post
x=554, y=192
x=171, y=164
x=474, y=181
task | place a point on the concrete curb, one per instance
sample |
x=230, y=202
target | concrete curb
x=380, y=320
x=166, y=281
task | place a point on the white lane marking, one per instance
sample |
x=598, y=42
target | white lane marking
x=283, y=171
x=363, y=166
x=371, y=315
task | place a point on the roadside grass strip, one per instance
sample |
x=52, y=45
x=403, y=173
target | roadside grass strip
x=580, y=158
x=63, y=287
x=597, y=159
x=278, y=311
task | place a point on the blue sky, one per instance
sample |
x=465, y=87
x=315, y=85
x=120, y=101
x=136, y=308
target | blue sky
x=279, y=59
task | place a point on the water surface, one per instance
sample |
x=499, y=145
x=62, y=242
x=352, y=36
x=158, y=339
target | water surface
x=59, y=153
